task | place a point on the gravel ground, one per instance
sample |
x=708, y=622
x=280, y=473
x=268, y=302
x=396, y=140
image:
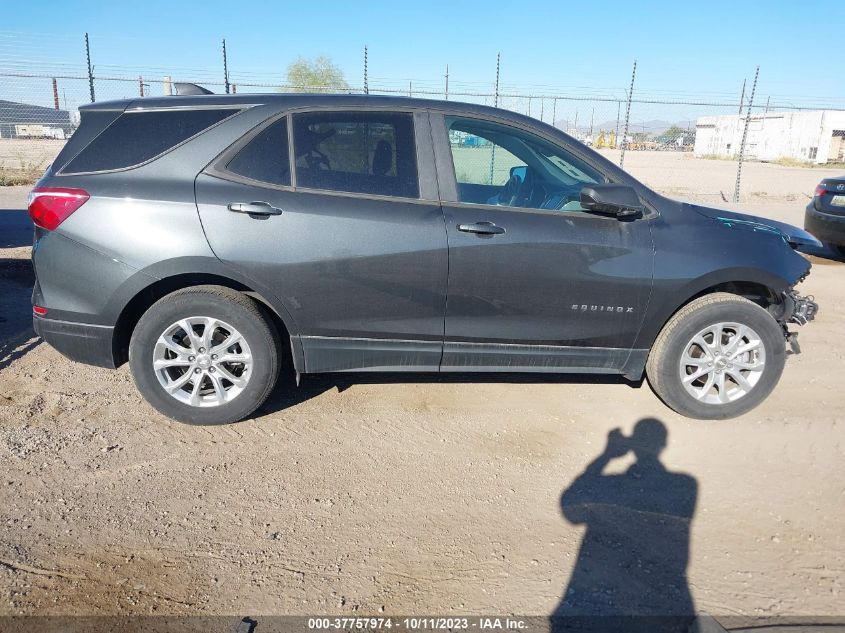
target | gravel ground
x=367, y=495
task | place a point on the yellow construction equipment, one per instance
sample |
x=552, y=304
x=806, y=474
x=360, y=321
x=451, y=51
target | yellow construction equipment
x=606, y=139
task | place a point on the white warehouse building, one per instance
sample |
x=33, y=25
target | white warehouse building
x=815, y=136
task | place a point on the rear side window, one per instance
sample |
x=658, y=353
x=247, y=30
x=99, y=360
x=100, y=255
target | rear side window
x=136, y=137
x=359, y=152
x=265, y=157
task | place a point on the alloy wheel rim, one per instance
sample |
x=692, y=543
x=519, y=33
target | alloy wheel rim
x=722, y=363
x=202, y=361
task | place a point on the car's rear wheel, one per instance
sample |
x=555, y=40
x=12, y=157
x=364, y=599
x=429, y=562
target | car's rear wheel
x=204, y=355
x=717, y=357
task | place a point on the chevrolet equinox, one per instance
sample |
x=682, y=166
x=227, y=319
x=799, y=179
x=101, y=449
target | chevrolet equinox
x=205, y=240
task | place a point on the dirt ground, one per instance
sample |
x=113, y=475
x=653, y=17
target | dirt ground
x=40, y=151
x=417, y=495
x=27, y=157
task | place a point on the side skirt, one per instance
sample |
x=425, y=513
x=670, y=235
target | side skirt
x=330, y=354
x=543, y=358
x=336, y=354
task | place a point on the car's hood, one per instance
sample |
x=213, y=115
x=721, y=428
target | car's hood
x=791, y=234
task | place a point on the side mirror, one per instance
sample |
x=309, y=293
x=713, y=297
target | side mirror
x=520, y=171
x=619, y=200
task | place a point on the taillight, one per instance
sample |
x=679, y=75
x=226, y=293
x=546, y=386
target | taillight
x=39, y=310
x=50, y=206
x=820, y=191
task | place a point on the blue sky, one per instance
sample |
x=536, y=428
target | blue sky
x=696, y=48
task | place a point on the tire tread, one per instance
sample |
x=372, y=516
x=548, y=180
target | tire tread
x=657, y=357
x=227, y=295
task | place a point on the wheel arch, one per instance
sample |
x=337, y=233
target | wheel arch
x=159, y=288
x=759, y=286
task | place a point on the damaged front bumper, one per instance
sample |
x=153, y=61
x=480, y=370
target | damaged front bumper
x=799, y=310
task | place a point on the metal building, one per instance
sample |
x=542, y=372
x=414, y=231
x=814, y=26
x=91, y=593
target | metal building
x=814, y=136
x=24, y=120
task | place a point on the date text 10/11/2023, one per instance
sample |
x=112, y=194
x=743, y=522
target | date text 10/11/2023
x=416, y=623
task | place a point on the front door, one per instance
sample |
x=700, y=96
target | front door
x=535, y=282
x=351, y=241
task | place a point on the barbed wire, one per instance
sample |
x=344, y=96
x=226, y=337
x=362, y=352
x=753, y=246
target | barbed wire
x=379, y=86
x=23, y=54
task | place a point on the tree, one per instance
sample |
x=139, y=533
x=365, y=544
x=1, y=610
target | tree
x=318, y=75
x=671, y=135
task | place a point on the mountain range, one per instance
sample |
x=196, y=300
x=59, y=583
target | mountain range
x=655, y=126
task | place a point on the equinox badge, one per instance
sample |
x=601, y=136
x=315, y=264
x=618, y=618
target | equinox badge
x=595, y=308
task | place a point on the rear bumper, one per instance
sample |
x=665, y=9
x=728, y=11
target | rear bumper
x=825, y=226
x=81, y=342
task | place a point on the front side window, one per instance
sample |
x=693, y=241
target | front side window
x=265, y=157
x=358, y=152
x=500, y=165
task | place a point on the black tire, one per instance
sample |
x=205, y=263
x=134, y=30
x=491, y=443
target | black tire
x=663, y=367
x=220, y=303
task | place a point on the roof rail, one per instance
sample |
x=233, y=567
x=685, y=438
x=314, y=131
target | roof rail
x=183, y=88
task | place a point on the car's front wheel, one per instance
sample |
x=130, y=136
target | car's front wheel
x=717, y=357
x=204, y=355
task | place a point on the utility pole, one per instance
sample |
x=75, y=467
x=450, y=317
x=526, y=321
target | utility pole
x=447, y=82
x=742, y=97
x=618, y=109
x=225, y=67
x=55, y=94
x=90, y=71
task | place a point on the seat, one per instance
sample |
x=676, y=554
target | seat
x=382, y=158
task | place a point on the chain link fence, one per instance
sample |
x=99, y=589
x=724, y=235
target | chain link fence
x=670, y=140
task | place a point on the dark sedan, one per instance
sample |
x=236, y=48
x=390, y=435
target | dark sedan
x=825, y=216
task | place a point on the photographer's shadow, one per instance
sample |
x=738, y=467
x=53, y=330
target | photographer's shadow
x=634, y=554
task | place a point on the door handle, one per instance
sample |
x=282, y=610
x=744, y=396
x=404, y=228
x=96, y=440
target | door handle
x=254, y=208
x=481, y=228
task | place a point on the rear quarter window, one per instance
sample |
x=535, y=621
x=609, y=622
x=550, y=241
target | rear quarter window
x=136, y=137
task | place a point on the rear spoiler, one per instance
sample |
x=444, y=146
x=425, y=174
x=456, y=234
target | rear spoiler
x=183, y=88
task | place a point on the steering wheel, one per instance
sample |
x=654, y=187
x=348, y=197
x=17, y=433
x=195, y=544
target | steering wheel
x=309, y=140
x=317, y=160
x=509, y=194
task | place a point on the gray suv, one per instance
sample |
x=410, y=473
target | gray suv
x=208, y=239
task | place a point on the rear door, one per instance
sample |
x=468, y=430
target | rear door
x=535, y=282
x=351, y=238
